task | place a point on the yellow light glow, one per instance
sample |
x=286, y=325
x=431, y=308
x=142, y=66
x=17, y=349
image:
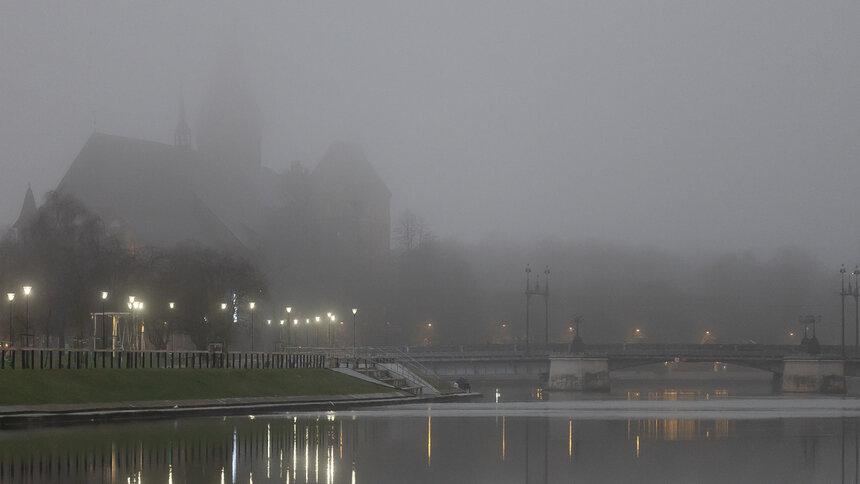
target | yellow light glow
x=570, y=438
x=429, y=438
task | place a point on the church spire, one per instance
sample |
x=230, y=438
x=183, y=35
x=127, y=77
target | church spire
x=182, y=133
x=28, y=211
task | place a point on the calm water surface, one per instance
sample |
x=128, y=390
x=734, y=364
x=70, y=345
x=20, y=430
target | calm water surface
x=545, y=438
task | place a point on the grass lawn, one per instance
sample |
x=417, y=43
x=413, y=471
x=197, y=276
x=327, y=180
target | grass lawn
x=22, y=387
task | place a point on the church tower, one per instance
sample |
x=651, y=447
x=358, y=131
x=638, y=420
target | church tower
x=229, y=131
x=182, y=133
x=27, y=215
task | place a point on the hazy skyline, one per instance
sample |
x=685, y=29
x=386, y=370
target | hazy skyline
x=685, y=126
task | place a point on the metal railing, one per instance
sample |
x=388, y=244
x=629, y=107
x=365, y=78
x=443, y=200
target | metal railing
x=77, y=359
x=483, y=352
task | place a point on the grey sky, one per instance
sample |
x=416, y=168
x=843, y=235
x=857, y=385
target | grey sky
x=693, y=125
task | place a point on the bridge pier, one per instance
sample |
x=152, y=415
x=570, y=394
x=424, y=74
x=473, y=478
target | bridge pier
x=579, y=373
x=811, y=376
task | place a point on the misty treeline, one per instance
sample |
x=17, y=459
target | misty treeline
x=432, y=291
x=69, y=258
x=474, y=293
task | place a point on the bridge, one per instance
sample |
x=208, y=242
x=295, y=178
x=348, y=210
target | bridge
x=794, y=370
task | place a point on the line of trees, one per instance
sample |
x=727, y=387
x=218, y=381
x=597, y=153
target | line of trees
x=68, y=256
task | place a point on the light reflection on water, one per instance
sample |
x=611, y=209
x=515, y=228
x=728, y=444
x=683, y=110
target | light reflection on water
x=444, y=444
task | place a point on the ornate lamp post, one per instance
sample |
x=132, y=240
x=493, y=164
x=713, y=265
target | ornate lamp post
x=251, y=305
x=843, y=293
x=11, y=297
x=131, y=307
x=171, y=305
x=27, y=290
x=354, y=311
x=104, y=340
x=856, y=294
x=289, y=330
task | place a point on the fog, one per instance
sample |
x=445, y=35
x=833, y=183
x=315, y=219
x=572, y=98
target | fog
x=661, y=133
x=692, y=126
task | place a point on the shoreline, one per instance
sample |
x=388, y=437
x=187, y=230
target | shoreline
x=15, y=416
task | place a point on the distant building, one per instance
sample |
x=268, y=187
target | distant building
x=305, y=229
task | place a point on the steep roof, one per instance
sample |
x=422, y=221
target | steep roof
x=345, y=168
x=145, y=186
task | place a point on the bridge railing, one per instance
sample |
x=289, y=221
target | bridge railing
x=460, y=352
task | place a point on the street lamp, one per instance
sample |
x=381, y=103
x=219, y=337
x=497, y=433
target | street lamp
x=27, y=290
x=842, y=293
x=171, y=305
x=134, y=306
x=131, y=307
x=331, y=318
x=354, y=311
x=11, y=297
x=307, y=331
x=251, y=305
x=856, y=294
x=317, y=331
x=104, y=341
x=289, y=330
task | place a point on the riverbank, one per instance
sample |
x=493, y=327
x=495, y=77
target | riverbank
x=47, y=397
x=53, y=387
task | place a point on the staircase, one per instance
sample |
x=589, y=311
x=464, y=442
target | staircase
x=389, y=372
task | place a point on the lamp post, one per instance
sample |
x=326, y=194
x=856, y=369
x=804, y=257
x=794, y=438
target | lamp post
x=856, y=294
x=317, y=331
x=251, y=305
x=842, y=293
x=27, y=290
x=281, y=335
x=354, y=311
x=307, y=331
x=289, y=330
x=131, y=307
x=134, y=306
x=11, y=297
x=104, y=341
x=171, y=305
x=331, y=331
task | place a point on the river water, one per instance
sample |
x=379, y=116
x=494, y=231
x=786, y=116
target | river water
x=691, y=430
